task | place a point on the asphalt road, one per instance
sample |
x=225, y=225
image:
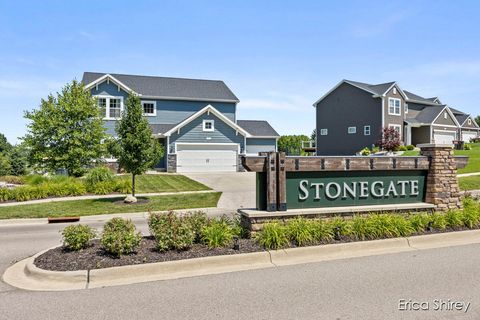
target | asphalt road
x=361, y=288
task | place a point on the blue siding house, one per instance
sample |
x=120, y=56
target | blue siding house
x=195, y=120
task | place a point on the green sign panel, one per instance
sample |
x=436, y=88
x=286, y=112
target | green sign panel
x=358, y=188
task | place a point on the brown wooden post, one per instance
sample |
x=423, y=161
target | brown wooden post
x=271, y=181
x=281, y=182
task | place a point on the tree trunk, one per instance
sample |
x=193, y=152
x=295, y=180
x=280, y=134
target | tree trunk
x=133, y=185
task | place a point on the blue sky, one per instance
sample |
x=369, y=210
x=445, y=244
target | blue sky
x=278, y=57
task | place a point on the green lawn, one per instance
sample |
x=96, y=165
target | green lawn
x=147, y=183
x=469, y=183
x=106, y=206
x=473, y=157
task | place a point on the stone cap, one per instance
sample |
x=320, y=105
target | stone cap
x=434, y=145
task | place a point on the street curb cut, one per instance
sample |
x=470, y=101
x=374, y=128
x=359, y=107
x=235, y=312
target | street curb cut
x=26, y=275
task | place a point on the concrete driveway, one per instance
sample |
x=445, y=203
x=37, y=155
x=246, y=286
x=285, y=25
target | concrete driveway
x=238, y=188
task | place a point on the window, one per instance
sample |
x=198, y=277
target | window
x=445, y=115
x=406, y=108
x=394, y=90
x=366, y=130
x=208, y=125
x=394, y=106
x=352, y=130
x=149, y=108
x=323, y=132
x=469, y=121
x=397, y=127
x=111, y=107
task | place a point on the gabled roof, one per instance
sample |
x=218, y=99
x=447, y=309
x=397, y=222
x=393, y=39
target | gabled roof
x=165, y=87
x=258, y=128
x=207, y=109
x=377, y=90
x=161, y=128
x=429, y=114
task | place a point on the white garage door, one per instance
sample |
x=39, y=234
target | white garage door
x=443, y=137
x=206, y=158
x=466, y=136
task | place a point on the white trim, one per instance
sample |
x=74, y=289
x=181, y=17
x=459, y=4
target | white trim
x=204, y=124
x=108, y=77
x=326, y=132
x=263, y=137
x=216, y=113
x=398, y=89
x=443, y=125
x=392, y=125
x=154, y=114
x=365, y=130
x=207, y=144
x=189, y=99
x=405, y=108
x=475, y=124
x=383, y=112
x=399, y=106
x=107, y=106
x=352, y=131
x=439, y=130
x=451, y=116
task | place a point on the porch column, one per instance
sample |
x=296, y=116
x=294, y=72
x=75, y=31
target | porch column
x=442, y=184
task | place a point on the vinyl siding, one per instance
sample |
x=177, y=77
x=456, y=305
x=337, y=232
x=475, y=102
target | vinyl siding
x=347, y=106
x=393, y=119
x=421, y=135
x=193, y=133
x=442, y=121
x=256, y=145
x=168, y=111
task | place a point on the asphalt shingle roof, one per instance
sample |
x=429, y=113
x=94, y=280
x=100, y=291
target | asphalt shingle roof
x=376, y=88
x=426, y=115
x=161, y=128
x=258, y=128
x=170, y=87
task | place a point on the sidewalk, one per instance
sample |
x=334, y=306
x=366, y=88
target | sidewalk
x=108, y=196
x=468, y=174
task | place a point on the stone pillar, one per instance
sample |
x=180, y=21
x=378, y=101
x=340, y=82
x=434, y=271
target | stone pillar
x=442, y=184
x=240, y=167
x=172, y=163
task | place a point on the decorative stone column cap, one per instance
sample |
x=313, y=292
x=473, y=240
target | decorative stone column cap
x=434, y=145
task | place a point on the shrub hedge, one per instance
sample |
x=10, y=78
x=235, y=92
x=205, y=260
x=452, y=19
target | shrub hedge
x=120, y=237
x=301, y=231
x=77, y=237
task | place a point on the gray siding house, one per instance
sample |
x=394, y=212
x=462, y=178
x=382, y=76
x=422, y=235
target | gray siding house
x=195, y=120
x=352, y=114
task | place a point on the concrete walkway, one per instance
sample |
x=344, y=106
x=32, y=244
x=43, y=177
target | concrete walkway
x=468, y=174
x=108, y=196
x=238, y=188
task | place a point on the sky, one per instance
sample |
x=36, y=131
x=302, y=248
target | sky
x=278, y=57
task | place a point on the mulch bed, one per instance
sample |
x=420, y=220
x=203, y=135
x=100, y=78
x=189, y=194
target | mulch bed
x=94, y=257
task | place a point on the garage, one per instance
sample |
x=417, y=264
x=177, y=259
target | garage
x=443, y=137
x=468, y=135
x=207, y=157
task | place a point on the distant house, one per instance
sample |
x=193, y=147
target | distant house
x=195, y=120
x=352, y=114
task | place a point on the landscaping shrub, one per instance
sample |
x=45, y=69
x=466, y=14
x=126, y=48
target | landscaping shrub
x=360, y=227
x=171, y=231
x=419, y=222
x=402, y=148
x=340, y=227
x=322, y=231
x=77, y=237
x=273, y=236
x=120, y=237
x=471, y=213
x=5, y=194
x=123, y=185
x=197, y=221
x=375, y=149
x=35, y=179
x=13, y=179
x=453, y=219
x=217, y=233
x=410, y=147
x=438, y=221
x=102, y=176
x=300, y=231
x=365, y=152
x=467, y=147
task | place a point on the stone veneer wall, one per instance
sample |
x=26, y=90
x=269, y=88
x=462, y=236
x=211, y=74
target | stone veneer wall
x=172, y=163
x=442, y=184
x=240, y=167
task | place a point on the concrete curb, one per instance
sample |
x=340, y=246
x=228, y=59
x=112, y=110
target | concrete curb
x=26, y=275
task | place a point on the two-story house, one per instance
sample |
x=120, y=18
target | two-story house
x=352, y=114
x=195, y=120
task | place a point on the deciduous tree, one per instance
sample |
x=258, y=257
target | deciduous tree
x=390, y=139
x=136, y=150
x=66, y=131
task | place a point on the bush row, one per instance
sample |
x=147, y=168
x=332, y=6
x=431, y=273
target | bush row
x=67, y=187
x=171, y=232
x=13, y=179
x=301, y=231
